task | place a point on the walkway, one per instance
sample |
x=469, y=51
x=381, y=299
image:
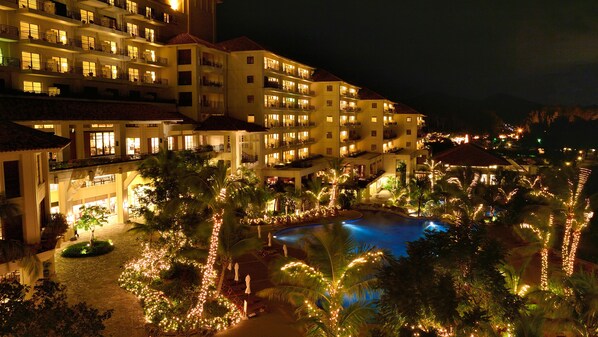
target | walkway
x=94, y=280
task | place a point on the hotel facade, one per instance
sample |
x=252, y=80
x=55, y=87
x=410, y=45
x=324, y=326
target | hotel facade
x=120, y=79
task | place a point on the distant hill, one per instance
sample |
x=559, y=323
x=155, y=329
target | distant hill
x=452, y=113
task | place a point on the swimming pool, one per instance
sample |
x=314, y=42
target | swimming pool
x=379, y=229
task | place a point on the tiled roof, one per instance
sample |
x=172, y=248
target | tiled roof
x=15, y=108
x=186, y=38
x=405, y=109
x=469, y=154
x=225, y=123
x=15, y=137
x=365, y=93
x=242, y=43
x=321, y=75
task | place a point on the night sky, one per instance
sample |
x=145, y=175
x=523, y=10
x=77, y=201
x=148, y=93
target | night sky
x=545, y=51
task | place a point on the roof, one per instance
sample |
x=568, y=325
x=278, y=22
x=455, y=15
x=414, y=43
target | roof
x=365, y=93
x=469, y=154
x=242, y=43
x=15, y=137
x=401, y=108
x=30, y=108
x=225, y=123
x=321, y=75
x=186, y=38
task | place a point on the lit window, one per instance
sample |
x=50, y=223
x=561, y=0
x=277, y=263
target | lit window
x=88, y=42
x=166, y=17
x=58, y=64
x=149, y=55
x=132, y=29
x=28, y=4
x=150, y=35
x=329, y=119
x=251, y=118
x=374, y=119
x=30, y=61
x=89, y=68
x=133, y=75
x=29, y=86
x=86, y=16
x=101, y=143
x=131, y=6
x=110, y=71
x=171, y=143
x=29, y=31
x=133, y=52
x=408, y=119
x=154, y=145
x=189, y=142
x=133, y=146
x=148, y=12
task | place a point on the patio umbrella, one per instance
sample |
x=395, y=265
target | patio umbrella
x=259, y=231
x=236, y=272
x=247, y=284
x=245, y=308
x=230, y=265
x=269, y=239
x=285, y=250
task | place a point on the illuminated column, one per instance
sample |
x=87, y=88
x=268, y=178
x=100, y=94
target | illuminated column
x=121, y=198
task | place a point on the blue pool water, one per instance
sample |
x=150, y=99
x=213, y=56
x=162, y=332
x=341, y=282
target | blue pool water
x=378, y=229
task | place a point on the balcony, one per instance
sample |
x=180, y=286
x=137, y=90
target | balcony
x=47, y=11
x=9, y=33
x=209, y=83
x=10, y=62
x=113, y=6
x=52, y=41
x=107, y=51
x=211, y=63
x=94, y=161
x=8, y=5
x=106, y=26
x=350, y=109
x=348, y=94
x=389, y=135
x=390, y=124
x=351, y=124
x=351, y=138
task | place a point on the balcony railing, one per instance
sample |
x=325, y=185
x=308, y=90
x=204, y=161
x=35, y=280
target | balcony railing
x=391, y=123
x=351, y=109
x=48, y=7
x=11, y=62
x=211, y=63
x=209, y=83
x=94, y=161
x=9, y=31
x=389, y=135
x=351, y=124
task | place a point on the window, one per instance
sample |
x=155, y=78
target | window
x=329, y=102
x=374, y=119
x=133, y=146
x=166, y=17
x=183, y=56
x=149, y=76
x=57, y=36
x=250, y=60
x=154, y=144
x=131, y=6
x=189, y=142
x=329, y=88
x=251, y=118
x=29, y=86
x=373, y=133
x=329, y=119
x=329, y=151
x=250, y=99
x=133, y=52
x=171, y=141
x=149, y=55
x=408, y=144
x=250, y=79
x=148, y=12
x=408, y=119
x=101, y=143
x=133, y=75
x=30, y=60
x=132, y=29
x=89, y=68
x=58, y=64
x=374, y=105
x=86, y=16
x=12, y=179
x=185, y=99
x=110, y=71
x=88, y=42
x=150, y=35
x=373, y=147
x=29, y=31
x=28, y=4
x=408, y=132
x=184, y=78
x=328, y=134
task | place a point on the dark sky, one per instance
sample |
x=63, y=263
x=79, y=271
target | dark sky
x=545, y=51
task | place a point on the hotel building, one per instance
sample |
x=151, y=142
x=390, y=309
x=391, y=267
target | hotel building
x=120, y=79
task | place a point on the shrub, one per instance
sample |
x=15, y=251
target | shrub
x=83, y=249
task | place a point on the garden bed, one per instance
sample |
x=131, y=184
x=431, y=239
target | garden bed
x=84, y=249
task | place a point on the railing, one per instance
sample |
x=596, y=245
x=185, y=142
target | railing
x=161, y=61
x=49, y=7
x=211, y=63
x=11, y=31
x=391, y=135
x=105, y=50
x=212, y=104
x=249, y=158
x=274, y=85
x=391, y=123
x=351, y=124
x=349, y=94
x=208, y=83
x=78, y=163
x=12, y=62
x=351, y=109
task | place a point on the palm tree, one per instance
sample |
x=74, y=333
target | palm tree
x=337, y=270
x=316, y=190
x=216, y=190
x=335, y=175
x=434, y=168
x=538, y=227
x=235, y=241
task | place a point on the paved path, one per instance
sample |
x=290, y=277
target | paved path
x=94, y=280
